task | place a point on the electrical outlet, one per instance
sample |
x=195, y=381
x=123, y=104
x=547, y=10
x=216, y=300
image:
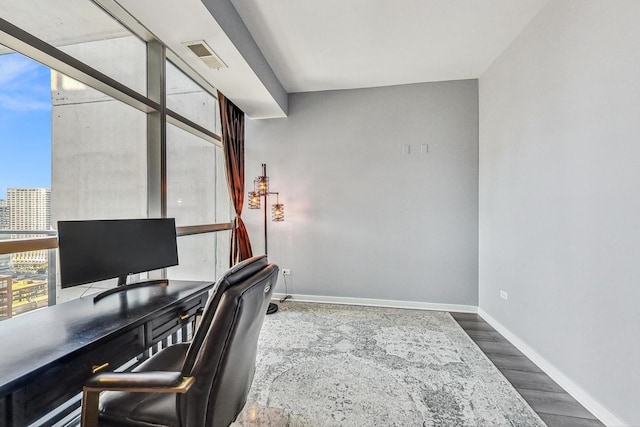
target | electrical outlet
x=286, y=271
x=503, y=295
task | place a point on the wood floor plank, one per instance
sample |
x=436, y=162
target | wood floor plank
x=466, y=316
x=531, y=380
x=473, y=325
x=517, y=363
x=485, y=336
x=499, y=347
x=564, y=421
x=552, y=403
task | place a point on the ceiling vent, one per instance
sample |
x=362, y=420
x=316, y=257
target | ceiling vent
x=206, y=54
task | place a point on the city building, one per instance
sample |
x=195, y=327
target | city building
x=6, y=297
x=20, y=296
x=30, y=210
x=5, y=222
x=5, y=218
x=27, y=295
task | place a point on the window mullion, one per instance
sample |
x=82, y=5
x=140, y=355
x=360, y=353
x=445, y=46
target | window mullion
x=156, y=132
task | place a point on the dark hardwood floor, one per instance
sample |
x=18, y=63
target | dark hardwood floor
x=554, y=405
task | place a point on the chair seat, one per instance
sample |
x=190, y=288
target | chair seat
x=145, y=409
x=138, y=410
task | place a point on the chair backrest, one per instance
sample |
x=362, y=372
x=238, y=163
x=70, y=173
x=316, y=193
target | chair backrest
x=224, y=361
x=238, y=273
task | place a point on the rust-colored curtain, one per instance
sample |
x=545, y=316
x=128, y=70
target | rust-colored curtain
x=233, y=148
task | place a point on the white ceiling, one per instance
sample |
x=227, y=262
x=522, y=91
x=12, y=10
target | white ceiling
x=342, y=44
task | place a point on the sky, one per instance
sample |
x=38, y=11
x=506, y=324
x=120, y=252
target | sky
x=25, y=123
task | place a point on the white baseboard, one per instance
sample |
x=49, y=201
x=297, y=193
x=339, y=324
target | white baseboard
x=379, y=303
x=585, y=399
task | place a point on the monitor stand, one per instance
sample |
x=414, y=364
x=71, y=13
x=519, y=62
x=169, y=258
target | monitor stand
x=124, y=286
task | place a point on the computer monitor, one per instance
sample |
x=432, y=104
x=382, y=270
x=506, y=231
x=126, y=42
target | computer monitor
x=96, y=250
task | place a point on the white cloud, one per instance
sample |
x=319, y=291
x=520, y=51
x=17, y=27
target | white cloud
x=17, y=102
x=14, y=68
x=24, y=84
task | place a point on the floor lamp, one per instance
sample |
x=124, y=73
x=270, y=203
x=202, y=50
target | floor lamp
x=261, y=190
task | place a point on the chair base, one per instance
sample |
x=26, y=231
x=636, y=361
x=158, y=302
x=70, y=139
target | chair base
x=272, y=308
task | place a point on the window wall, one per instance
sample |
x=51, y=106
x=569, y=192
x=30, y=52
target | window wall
x=89, y=119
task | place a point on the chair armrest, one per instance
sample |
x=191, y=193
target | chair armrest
x=137, y=382
x=150, y=381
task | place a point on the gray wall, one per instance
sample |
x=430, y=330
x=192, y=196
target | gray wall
x=362, y=219
x=559, y=187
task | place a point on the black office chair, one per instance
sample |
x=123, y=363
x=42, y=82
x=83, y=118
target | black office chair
x=203, y=383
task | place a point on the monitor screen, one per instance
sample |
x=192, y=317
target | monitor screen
x=104, y=249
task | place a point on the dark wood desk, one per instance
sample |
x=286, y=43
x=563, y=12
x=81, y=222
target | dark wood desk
x=46, y=356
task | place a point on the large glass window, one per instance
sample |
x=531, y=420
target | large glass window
x=99, y=155
x=198, y=258
x=25, y=180
x=74, y=153
x=99, y=161
x=25, y=124
x=191, y=178
x=186, y=97
x=25, y=280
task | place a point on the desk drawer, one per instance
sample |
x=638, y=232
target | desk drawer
x=62, y=382
x=116, y=352
x=164, y=325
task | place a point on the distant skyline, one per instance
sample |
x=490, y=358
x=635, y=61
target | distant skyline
x=25, y=123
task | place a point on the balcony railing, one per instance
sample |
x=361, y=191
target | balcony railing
x=50, y=239
x=39, y=276
x=10, y=246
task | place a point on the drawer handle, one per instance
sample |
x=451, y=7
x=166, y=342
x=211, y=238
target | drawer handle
x=97, y=368
x=184, y=316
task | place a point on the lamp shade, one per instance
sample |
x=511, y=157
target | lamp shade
x=261, y=185
x=277, y=212
x=254, y=200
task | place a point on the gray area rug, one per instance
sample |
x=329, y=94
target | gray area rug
x=336, y=365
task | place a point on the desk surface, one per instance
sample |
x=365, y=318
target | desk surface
x=35, y=342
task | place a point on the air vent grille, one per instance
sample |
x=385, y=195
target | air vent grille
x=206, y=54
x=199, y=50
